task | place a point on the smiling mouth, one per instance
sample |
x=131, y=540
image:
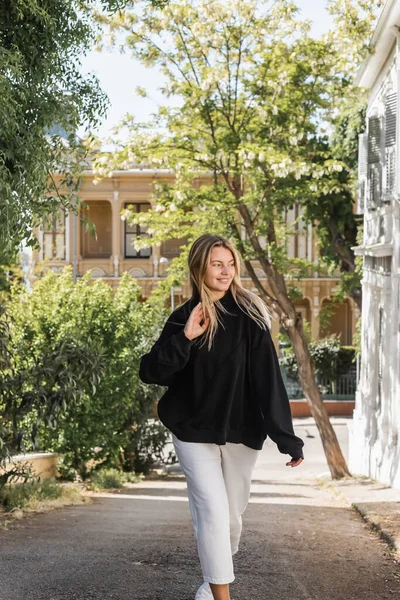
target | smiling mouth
x=223, y=280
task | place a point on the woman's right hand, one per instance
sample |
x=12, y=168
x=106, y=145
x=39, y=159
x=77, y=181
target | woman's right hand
x=193, y=328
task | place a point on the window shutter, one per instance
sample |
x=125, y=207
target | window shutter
x=374, y=185
x=390, y=142
x=374, y=162
x=374, y=140
x=390, y=120
x=390, y=170
x=362, y=171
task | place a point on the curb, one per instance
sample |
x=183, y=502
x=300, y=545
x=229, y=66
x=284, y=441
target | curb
x=375, y=517
x=392, y=541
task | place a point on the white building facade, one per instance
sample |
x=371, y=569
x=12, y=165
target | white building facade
x=375, y=431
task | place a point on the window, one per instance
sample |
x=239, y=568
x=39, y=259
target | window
x=134, y=231
x=362, y=171
x=378, y=264
x=54, y=237
x=374, y=162
x=374, y=176
x=390, y=143
x=382, y=228
x=390, y=170
x=98, y=245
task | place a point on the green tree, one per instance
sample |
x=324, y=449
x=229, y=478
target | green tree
x=255, y=92
x=45, y=99
x=337, y=225
x=35, y=389
x=107, y=422
x=330, y=358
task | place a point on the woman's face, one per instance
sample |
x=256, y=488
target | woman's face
x=220, y=270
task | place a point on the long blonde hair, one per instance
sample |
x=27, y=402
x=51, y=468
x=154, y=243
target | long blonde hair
x=198, y=261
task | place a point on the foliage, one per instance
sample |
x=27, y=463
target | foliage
x=45, y=100
x=349, y=122
x=336, y=224
x=247, y=138
x=146, y=445
x=9, y=274
x=354, y=22
x=346, y=358
x=106, y=479
x=284, y=340
x=20, y=471
x=29, y=494
x=99, y=426
x=36, y=387
x=111, y=478
x=66, y=472
x=255, y=95
x=330, y=358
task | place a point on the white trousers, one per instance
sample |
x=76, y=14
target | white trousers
x=218, y=481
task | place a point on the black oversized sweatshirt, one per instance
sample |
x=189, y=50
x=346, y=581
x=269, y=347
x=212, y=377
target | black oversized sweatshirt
x=231, y=393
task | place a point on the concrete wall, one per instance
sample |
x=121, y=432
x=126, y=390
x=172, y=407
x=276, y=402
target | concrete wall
x=44, y=464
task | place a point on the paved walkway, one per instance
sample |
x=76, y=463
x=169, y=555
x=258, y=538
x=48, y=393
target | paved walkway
x=301, y=541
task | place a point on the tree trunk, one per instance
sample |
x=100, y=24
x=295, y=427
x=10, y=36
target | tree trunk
x=279, y=302
x=334, y=456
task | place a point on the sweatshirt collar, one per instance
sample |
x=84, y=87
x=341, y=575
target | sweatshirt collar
x=228, y=300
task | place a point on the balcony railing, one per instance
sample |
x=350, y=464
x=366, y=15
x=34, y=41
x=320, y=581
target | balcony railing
x=342, y=388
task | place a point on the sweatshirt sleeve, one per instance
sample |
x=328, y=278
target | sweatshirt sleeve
x=268, y=384
x=169, y=354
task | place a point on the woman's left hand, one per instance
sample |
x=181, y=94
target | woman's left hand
x=294, y=463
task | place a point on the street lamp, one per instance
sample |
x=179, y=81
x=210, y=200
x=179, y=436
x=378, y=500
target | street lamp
x=164, y=261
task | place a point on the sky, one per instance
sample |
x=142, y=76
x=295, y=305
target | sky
x=119, y=74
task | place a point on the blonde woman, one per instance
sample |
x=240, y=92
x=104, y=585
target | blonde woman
x=225, y=396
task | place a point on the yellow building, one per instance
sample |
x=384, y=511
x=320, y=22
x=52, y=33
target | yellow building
x=111, y=252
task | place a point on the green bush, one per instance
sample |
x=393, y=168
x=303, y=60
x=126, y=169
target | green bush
x=107, y=479
x=345, y=360
x=98, y=425
x=146, y=446
x=331, y=361
x=38, y=382
x=27, y=495
x=329, y=357
x=132, y=477
x=66, y=472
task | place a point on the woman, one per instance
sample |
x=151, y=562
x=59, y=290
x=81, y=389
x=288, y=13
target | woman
x=225, y=395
